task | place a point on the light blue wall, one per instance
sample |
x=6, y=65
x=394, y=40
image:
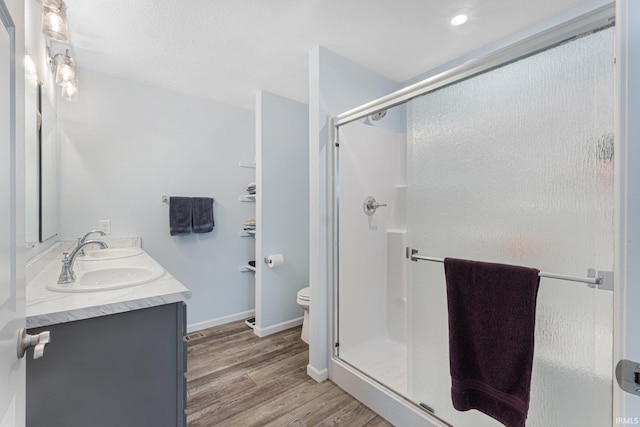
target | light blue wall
x=124, y=145
x=335, y=86
x=282, y=151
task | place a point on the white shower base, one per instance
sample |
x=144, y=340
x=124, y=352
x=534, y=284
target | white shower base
x=382, y=359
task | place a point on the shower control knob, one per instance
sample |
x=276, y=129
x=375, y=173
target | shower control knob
x=369, y=206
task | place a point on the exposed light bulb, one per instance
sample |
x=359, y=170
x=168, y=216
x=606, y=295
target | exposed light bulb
x=459, y=19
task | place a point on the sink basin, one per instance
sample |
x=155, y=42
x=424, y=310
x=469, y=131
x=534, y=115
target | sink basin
x=109, y=253
x=111, y=278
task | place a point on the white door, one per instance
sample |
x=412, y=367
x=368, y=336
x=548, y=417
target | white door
x=12, y=370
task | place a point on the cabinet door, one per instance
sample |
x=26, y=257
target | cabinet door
x=121, y=370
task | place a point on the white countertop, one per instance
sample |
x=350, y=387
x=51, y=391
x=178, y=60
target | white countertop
x=46, y=307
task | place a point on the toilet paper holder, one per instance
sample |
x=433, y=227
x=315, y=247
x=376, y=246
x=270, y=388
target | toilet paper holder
x=274, y=263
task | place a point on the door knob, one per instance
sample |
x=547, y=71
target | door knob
x=38, y=342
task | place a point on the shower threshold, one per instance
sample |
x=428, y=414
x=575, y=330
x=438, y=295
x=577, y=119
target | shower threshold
x=382, y=359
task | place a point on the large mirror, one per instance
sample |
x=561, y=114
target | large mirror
x=41, y=170
x=48, y=170
x=32, y=162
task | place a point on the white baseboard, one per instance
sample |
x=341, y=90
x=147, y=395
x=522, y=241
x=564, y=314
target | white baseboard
x=220, y=321
x=263, y=332
x=318, y=374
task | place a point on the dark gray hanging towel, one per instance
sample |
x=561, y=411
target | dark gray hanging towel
x=179, y=215
x=202, y=214
x=492, y=310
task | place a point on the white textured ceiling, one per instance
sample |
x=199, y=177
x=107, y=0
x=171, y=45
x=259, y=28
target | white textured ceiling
x=227, y=50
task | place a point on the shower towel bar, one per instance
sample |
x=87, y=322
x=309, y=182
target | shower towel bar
x=595, y=280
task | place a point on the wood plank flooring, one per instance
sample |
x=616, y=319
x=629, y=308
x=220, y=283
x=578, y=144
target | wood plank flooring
x=235, y=379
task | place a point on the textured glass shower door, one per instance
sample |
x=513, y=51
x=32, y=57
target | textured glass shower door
x=515, y=166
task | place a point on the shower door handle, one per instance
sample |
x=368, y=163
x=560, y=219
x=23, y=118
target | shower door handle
x=369, y=206
x=628, y=376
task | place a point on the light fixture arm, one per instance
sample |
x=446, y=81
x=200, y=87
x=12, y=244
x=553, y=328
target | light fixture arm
x=51, y=59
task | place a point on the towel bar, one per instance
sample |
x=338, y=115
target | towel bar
x=594, y=279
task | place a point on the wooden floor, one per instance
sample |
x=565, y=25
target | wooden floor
x=235, y=378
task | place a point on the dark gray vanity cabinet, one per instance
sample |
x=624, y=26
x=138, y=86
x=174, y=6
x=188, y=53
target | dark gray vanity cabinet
x=119, y=370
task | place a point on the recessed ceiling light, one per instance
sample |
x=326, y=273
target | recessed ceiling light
x=459, y=19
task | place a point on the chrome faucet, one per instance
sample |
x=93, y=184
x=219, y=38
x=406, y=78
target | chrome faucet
x=67, y=275
x=81, y=240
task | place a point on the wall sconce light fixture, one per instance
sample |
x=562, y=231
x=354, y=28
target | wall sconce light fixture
x=54, y=20
x=54, y=26
x=63, y=68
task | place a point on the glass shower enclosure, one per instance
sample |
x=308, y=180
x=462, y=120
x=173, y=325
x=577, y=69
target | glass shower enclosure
x=512, y=165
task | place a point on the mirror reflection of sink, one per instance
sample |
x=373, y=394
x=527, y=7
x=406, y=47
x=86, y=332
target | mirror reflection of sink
x=106, y=279
x=109, y=253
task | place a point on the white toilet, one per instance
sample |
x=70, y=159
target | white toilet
x=303, y=301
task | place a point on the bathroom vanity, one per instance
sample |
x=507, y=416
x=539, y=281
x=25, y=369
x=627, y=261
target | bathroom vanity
x=116, y=358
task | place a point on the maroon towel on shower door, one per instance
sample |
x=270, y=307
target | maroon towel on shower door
x=492, y=311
